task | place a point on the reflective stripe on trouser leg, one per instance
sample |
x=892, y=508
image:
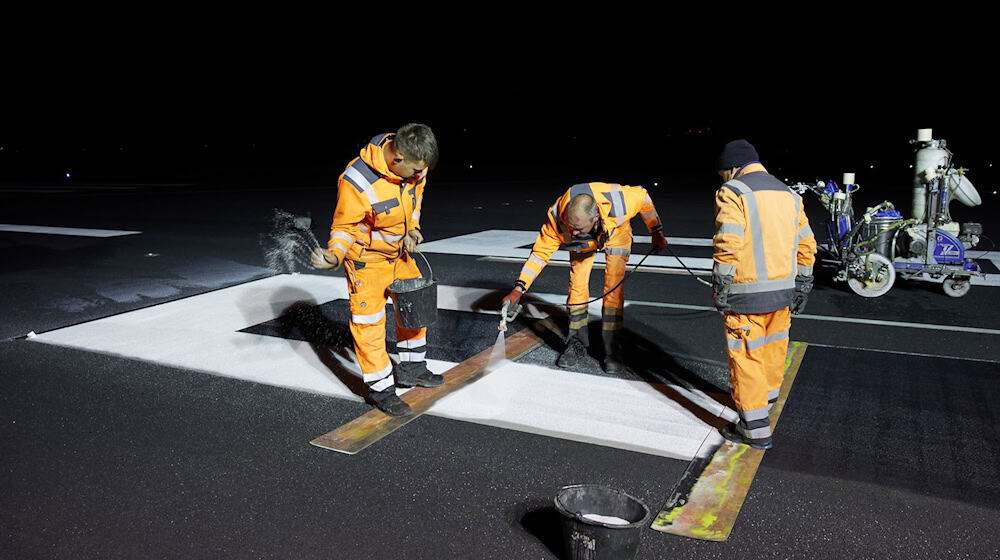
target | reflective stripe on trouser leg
x=614, y=271
x=411, y=343
x=756, y=347
x=579, y=288
x=367, y=302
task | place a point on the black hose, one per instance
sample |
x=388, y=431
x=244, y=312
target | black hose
x=620, y=282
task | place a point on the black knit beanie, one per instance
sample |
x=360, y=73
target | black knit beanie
x=737, y=154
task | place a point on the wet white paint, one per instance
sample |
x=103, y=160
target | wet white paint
x=201, y=333
x=609, y=519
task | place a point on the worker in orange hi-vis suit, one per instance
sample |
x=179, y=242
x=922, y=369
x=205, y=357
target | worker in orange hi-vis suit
x=762, y=274
x=588, y=218
x=376, y=228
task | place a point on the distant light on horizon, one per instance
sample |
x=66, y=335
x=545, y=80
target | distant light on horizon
x=67, y=175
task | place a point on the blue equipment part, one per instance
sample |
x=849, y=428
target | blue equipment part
x=947, y=249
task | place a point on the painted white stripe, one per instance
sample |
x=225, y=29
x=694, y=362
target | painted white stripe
x=498, y=244
x=857, y=320
x=79, y=232
x=200, y=333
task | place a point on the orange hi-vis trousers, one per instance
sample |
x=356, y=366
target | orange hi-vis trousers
x=757, y=346
x=368, y=284
x=616, y=253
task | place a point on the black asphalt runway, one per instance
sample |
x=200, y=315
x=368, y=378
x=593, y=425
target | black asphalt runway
x=887, y=446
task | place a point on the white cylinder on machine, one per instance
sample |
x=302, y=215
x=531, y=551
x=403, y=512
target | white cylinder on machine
x=848, y=179
x=929, y=158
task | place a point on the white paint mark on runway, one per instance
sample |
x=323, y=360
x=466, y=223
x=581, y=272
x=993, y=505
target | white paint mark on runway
x=509, y=243
x=201, y=333
x=78, y=232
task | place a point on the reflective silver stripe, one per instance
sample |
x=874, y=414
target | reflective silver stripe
x=795, y=244
x=650, y=216
x=618, y=252
x=765, y=286
x=416, y=214
x=341, y=235
x=537, y=260
x=378, y=139
x=805, y=232
x=618, y=202
x=773, y=394
x=364, y=228
x=734, y=229
x=368, y=319
x=756, y=414
x=805, y=270
x=760, y=264
x=375, y=376
x=412, y=343
x=762, y=340
x=382, y=385
x=529, y=272
x=387, y=237
x=734, y=343
x=412, y=356
x=757, y=433
x=554, y=212
x=345, y=245
x=361, y=183
x=580, y=188
x=723, y=269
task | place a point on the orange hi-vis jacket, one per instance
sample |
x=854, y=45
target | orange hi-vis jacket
x=617, y=205
x=375, y=207
x=762, y=239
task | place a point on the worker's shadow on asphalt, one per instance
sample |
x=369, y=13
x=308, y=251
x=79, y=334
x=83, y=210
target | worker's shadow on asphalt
x=300, y=317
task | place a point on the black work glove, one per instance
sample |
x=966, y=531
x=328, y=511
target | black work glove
x=803, y=285
x=720, y=292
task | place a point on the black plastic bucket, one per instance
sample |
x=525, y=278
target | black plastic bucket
x=415, y=300
x=594, y=539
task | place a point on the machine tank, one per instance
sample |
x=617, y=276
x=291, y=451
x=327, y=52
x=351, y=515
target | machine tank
x=931, y=155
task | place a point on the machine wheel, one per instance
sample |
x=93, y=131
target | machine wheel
x=956, y=286
x=871, y=276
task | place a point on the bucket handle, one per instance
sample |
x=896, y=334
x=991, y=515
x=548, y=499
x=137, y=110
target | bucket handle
x=430, y=271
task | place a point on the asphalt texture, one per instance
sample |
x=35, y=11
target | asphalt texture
x=887, y=446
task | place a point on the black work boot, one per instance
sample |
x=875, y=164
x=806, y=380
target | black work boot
x=409, y=374
x=575, y=354
x=733, y=433
x=388, y=402
x=612, y=354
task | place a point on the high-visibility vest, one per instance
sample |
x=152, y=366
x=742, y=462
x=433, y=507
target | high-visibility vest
x=375, y=207
x=616, y=205
x=762, y=239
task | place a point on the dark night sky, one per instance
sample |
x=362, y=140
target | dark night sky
x=224, y=115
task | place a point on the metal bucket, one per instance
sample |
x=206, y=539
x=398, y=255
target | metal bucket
x=590, y=537
x=415, y=299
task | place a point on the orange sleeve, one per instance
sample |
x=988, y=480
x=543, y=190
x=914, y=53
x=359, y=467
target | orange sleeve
x=351, y=211
x=730, y=227
x=645, y=209
x=806, y=254
x=415, y=224
x=546, y=243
